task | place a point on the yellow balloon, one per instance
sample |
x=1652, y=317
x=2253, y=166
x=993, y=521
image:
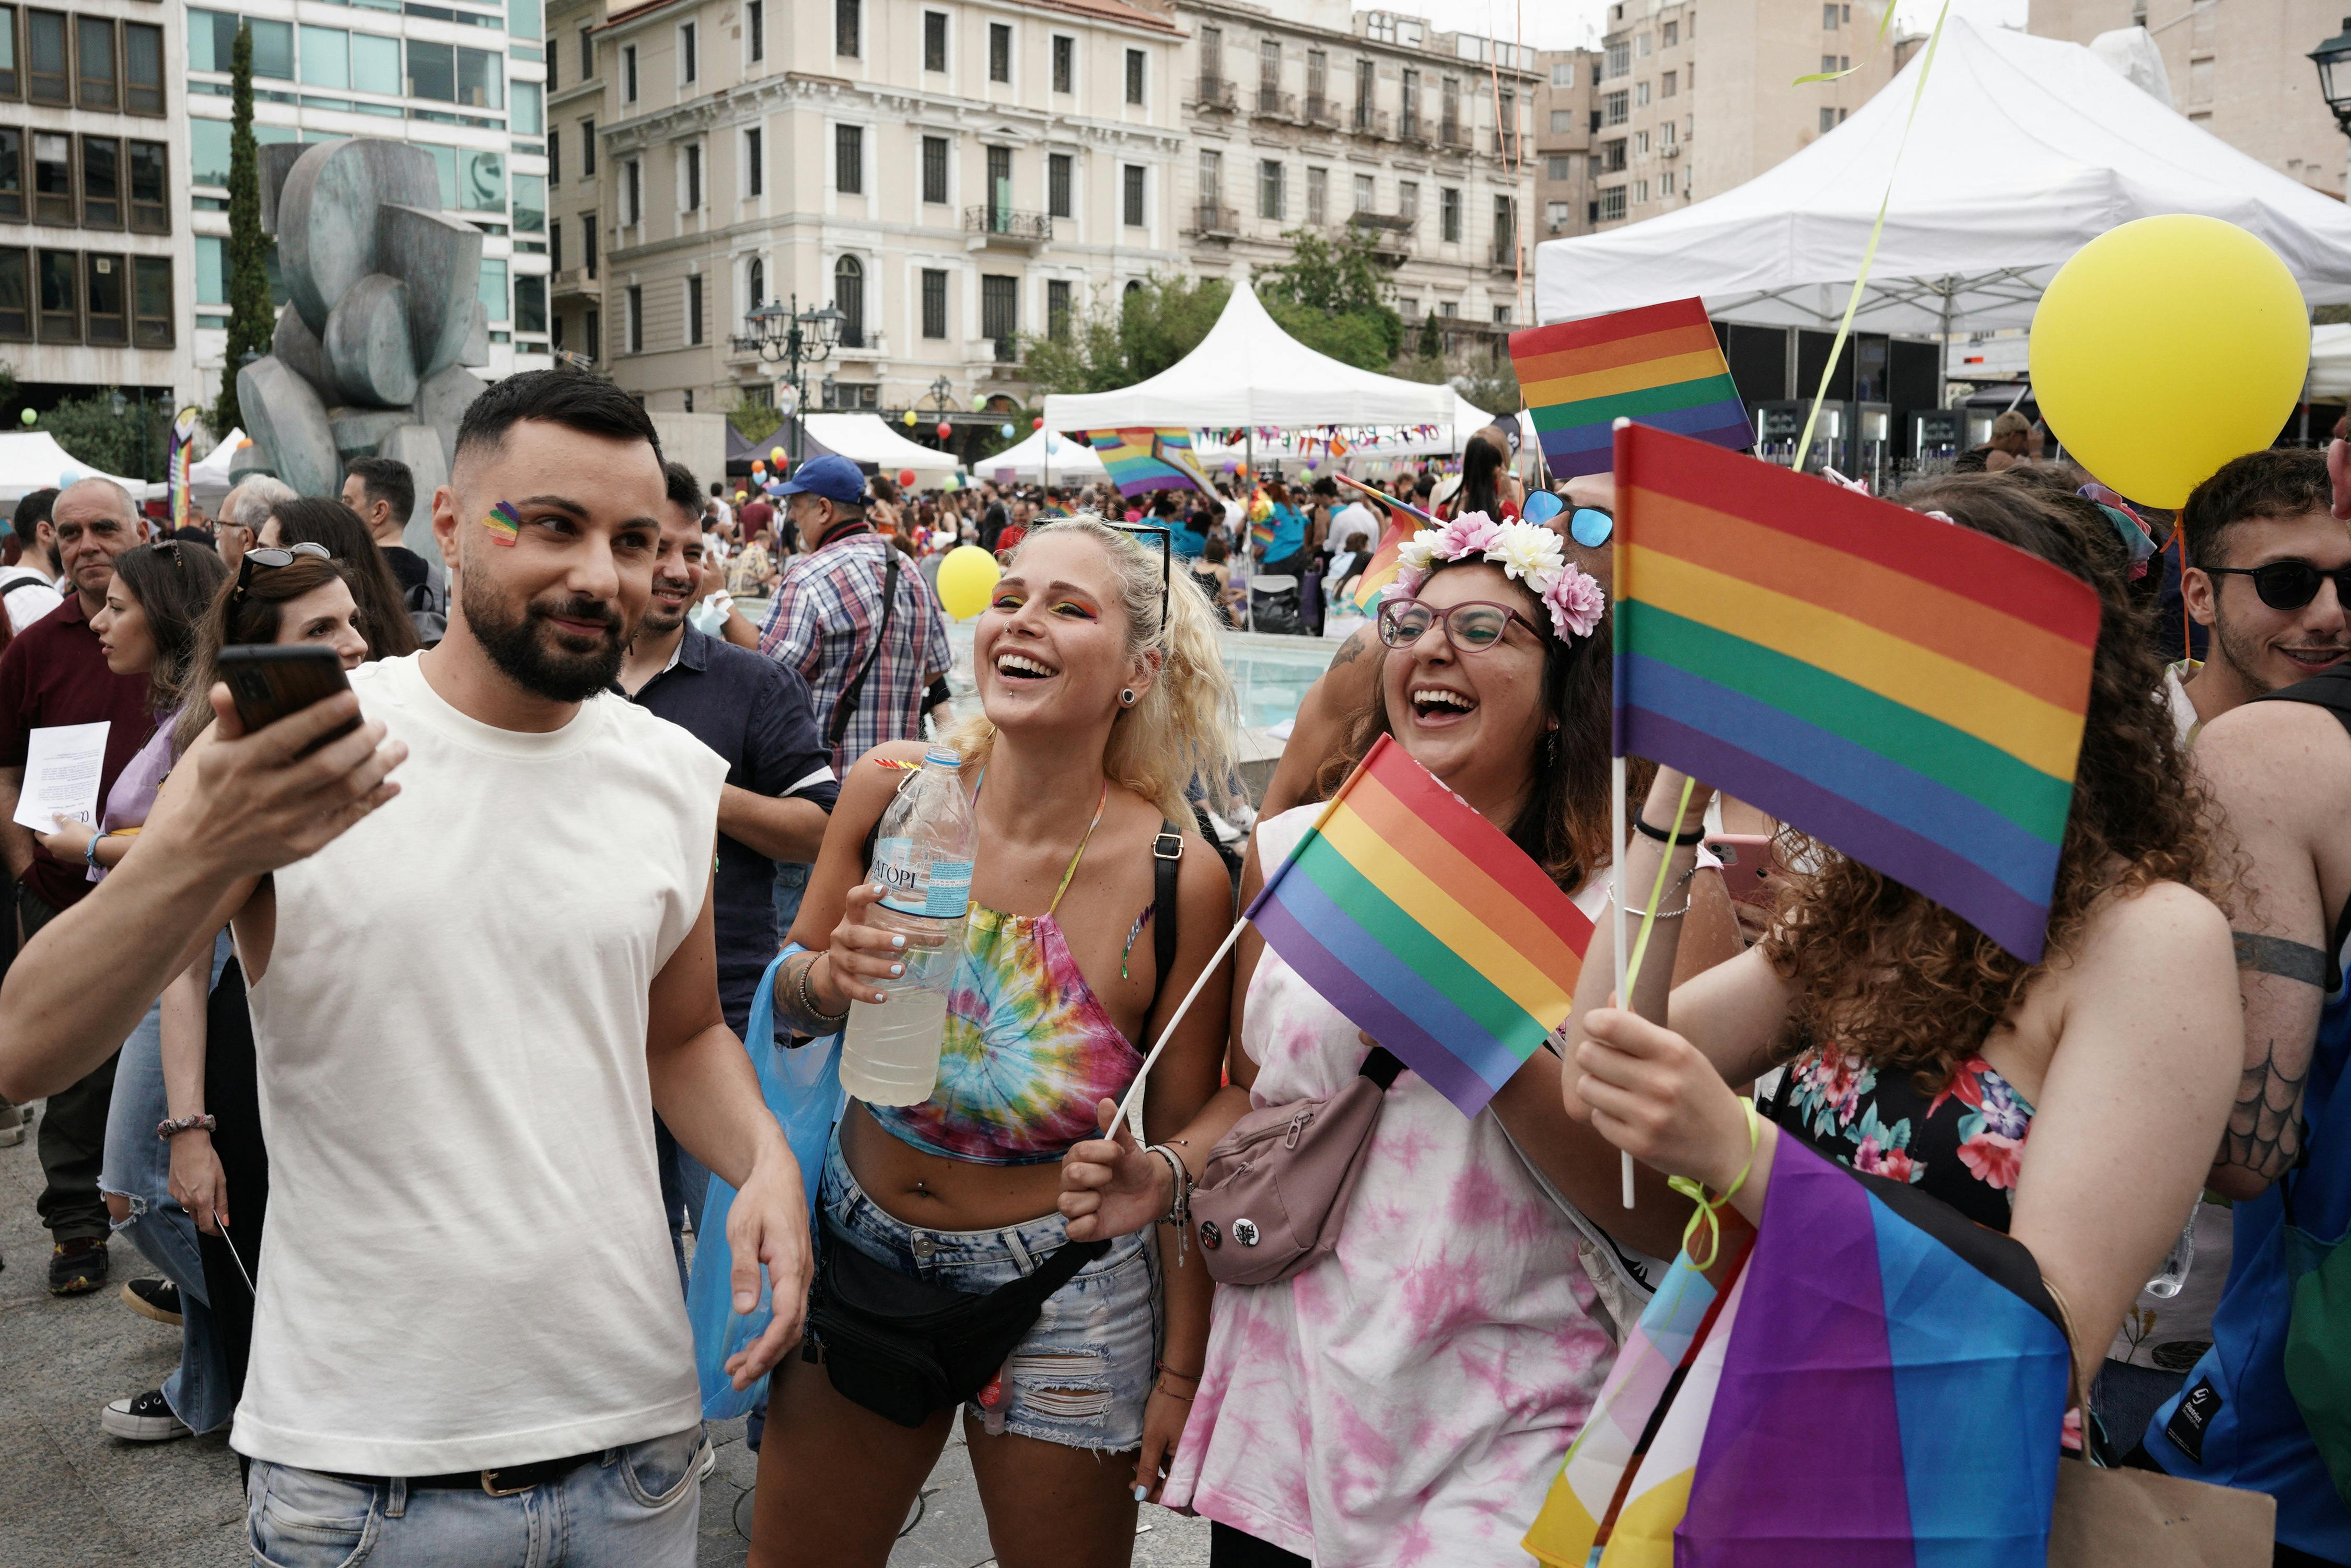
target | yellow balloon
x=777, y=452
x=909, y=419
x=966, y=576
x=2164, y=349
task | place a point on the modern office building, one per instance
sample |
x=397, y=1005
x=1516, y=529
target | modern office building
x=465, y=81
x=95, y=290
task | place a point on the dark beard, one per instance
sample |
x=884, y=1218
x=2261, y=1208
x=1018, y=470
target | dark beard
x=548, y=665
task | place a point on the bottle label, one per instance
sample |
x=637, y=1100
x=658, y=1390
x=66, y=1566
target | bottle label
x=938, y=891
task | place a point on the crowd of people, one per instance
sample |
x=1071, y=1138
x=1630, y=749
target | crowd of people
x=427, y=1013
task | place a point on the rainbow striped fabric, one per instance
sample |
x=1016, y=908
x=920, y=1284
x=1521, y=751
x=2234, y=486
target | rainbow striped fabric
x=1882, y=1383
x=1907, y=691
x=1660, y=364
x=179, y=465
x=1385, y=564
x=1420, y=921
x=1142, y=461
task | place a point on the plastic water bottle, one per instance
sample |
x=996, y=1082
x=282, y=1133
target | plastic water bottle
x=922, y=861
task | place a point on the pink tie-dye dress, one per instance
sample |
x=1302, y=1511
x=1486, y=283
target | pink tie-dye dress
x=1409, y=1399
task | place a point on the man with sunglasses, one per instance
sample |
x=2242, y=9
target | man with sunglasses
x=2268, y=574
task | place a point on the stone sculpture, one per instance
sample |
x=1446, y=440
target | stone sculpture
x=371, y=356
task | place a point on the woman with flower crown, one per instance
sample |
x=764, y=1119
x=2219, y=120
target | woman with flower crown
x=1408, y=1397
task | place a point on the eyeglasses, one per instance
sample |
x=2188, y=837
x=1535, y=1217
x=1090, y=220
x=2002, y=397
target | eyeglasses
x=1591, y=526
x=1471, y=628
x=1166, y=558
x=271, y=556
x=2289, y=584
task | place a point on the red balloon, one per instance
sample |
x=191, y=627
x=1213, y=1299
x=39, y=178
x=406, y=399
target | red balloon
x=945, y=430
x=905, y=478
x=1037, y=423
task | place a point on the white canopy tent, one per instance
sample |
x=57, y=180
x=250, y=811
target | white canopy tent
x=208, y=478
x=32, y=460
x=1065, y=457
x=2330, y=363
x=2024, y=149
x=1249, y=373
x=868, y=438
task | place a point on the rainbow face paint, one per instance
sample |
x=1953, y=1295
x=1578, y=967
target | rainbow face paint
x=504, y=523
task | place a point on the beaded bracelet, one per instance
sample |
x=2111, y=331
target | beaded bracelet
x=172, y=1128
x=1179, y=1200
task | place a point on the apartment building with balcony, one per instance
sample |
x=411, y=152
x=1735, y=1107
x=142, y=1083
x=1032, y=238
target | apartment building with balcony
x=462, y=80
x=1310, y=115
x=95, y=285
x=948, y=175
x=1563, y=129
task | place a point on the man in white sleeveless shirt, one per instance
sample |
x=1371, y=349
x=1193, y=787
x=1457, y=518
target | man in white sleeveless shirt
x=472, y=980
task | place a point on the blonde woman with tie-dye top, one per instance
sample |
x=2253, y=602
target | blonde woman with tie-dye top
x=1104, y=699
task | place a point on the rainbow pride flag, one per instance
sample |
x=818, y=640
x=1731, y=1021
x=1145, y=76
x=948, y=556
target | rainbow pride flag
x=1660, y=364
x=1883, y=1383
x=1906, y=690
x=179, y=466
x=1261, y=518
x=1420, y=921
x=1142, y=461
x=1384, y=565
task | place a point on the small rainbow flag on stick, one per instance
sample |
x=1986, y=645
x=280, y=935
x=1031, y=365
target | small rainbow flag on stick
x=1420, y=921
x=1404, y=519
x=1660, y=365
x=1906, y=690
x=1142, y=461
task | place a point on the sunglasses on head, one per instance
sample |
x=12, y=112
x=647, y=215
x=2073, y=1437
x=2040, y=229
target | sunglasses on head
x=2289, y=584
x=271, y=558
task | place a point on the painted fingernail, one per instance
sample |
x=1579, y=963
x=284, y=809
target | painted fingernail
x=879, y=996
x=898, y=941
x=897, y=969
x=1141, y=1494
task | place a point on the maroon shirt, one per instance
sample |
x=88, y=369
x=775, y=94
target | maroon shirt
x=53, y=672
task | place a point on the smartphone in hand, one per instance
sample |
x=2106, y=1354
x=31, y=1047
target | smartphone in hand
x=1746, y=866
x=269, y=681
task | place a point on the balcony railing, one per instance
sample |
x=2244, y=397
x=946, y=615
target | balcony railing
x=1007, y=349
x=1215, y=218
x=1504, y=252
x=1454, y=137
x=1272, y=103
x=1216, y=92
x=1506, y=143
x=1410, y=127
x=994, y=220
x=570, y=280
x=1369, y=121
x=1320, y=110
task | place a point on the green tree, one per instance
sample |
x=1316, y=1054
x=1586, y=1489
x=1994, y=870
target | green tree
x=251, y=319
x=1154, y=324
x=1432, y=339
x=1340, y=280
x=94, y=435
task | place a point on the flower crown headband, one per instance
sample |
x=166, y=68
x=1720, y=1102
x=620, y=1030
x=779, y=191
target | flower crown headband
x=1526, y=551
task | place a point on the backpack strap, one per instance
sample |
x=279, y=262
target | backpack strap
x=1167, y=861
x=843, y=708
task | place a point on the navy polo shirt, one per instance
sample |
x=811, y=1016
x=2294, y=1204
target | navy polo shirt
x=754, y=713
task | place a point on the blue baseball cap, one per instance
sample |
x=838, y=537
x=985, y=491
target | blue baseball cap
x=834, y=477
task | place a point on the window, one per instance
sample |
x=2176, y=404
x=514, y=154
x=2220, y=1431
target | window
x=1137, y=66
x=1640, y=192
x=934, y=40
x=693, y=308
x=484, y=186
x=1000, y=51
x=16, y=294
x=1828, y=16
x=1828, y=121
x=1669, y=132
x=1641, y=46
x=1318, y=195
x=1065, y=63
x=592, y=330
x=754, y=34
x=1828, y=62
x=1640, y=95
x=2200, y=81
x=1671, y=34
x=688, y=65
x=432, y=72
x=1366, y=195
x=586, y=57
x=1556, y=214
x=151, y=301
x=1665, y=183
x=1612, y=156
x=849, y=160
x=849, y=298
x=934, y=169
x=1449, y=215
x=1212, y=177
x=754, y=164
x=633, y=194
x=848, y=27
x=588, y=242
x=523, y=19
x=1563, y=72
x=1132, y=180
x=107, y=316
x=999, y=309
x=102, y=183
x=1408, y=203
x=999, y=182
x=1408, y=104
x=1668, y=84
x=94, y=44
x=527, y=108
x=12, y=172
x=627, y=71
x=1501, y=315
x=530, y=303
x=1269, y=189
x=1212, y=54
x=691, y=181
x=45, y=54
x=555, y=157
x=1612, y=204
x=588, y=149
x=1563, y=121
x=1613, y=109
x=59, y=274
x=1268, y=65
x=935, y=302
x=1057, y=310
x=53, y=200
x=374, y=62
x=1449, y=308
x=1506, y=222
x=1367, y=90
x=481, y=79
x=1060, y=171
x=554, y=246
x=1450, y=102
x=1620, y=60
x=143, y=65
x=1559, y=166
x=1641, y=141
x=635, y=321
x=10, y=84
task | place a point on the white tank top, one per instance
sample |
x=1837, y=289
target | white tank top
x=465, y=1263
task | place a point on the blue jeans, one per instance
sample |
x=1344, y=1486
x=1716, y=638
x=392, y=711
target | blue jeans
x=634, y=1507
x=137, y=1168
x=791, y=886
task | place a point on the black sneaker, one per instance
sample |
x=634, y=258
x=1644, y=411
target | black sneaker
x=78, y=1267
x=157, y=1298
x=144, y=1418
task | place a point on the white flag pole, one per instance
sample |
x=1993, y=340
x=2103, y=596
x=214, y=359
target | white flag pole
x=1129, y=1107
x=1616, y=796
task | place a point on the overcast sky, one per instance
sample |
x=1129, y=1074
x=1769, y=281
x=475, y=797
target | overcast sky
x=1567, y=24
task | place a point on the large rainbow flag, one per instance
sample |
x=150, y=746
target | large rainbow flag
x=1420, y=921
x=1660, y=364
x=178, y=466
x=1142, y=461
x=1907, y=691
x=1880, y=1385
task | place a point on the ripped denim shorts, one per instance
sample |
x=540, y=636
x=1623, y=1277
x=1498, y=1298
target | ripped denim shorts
x=1081, y=1375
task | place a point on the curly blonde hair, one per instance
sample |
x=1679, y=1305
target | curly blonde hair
x=1182, y=729
x=1887, y=974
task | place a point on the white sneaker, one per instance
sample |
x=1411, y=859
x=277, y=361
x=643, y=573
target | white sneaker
x=144, y=1418
x=709, y=1460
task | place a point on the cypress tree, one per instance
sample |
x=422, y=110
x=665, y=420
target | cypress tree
x=251, y=319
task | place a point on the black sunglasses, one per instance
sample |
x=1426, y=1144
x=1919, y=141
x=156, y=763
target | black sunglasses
x=1166, y=558
x=2289, y=584
x=271, y=556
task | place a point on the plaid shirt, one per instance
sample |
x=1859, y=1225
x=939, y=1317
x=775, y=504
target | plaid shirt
x=820, y=623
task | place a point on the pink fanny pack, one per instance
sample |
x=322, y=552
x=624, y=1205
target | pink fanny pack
x=1270, y=1199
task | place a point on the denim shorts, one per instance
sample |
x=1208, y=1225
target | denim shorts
x=1081, y=1375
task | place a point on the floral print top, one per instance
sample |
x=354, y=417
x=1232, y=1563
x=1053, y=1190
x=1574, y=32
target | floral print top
x=1964, y=1145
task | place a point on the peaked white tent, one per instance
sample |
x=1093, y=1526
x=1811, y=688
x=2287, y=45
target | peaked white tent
x=208, y=477
x=2024, y=149
x=868, y=438
x=1248, y=371
x=2330, y=363
x=32, y=460
x=1067, y=458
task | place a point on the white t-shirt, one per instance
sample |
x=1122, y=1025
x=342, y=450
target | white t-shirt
x=466, y=1264
x=29, y=594
x=1352, y=528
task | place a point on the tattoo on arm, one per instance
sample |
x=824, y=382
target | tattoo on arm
x=2277, y=956
x=1352, y=649
x=2264, y=1132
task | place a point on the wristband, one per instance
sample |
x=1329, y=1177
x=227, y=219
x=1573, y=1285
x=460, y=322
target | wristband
x=90, y=851
x=172, y=1127
x=1676, y=840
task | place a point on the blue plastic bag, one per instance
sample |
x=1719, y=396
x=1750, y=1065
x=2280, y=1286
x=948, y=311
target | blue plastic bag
x=802, y=1089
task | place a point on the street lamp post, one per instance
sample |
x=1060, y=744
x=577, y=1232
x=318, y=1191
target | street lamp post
x=2332, y=59
x=941, y=390
x=784, y=334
